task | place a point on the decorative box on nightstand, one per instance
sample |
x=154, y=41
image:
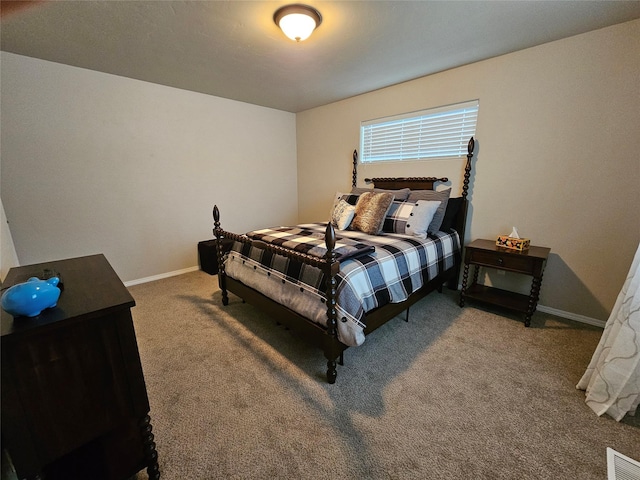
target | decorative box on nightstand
x=485, y=253
x=506, y=241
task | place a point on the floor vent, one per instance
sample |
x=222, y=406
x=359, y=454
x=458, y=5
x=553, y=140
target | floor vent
x=620, y=467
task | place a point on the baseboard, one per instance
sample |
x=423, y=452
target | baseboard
x=572, y=316
x=160, y=276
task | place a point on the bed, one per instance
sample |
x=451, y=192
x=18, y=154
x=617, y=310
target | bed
x=334, y=284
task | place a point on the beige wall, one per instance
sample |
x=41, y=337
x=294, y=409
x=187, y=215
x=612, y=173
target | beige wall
x=557, y=156
x=96, y=163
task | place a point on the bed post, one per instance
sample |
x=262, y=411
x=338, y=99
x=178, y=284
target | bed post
x=467, y=169
x=332, y=324
x=354, y=180
x=462, y=221
x=222, y=278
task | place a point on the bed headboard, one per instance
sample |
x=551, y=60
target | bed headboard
x=427, y=183
x=415, y=183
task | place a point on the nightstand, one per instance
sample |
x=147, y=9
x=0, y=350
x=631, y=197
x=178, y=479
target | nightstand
x=485, y=253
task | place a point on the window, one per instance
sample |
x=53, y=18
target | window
x=441, y=132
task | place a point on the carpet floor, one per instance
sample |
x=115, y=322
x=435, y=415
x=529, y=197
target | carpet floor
x=455, y=393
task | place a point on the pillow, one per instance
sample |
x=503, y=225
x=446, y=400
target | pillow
x=370, y=212
x=395, y=221
x=421, y=217
x=433, y=195
x=453, y=207
x=350, y=198
x=401, y=194
x=347, y=197
x=342, y=215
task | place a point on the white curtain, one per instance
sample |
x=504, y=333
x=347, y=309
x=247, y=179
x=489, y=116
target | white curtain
x=612, y=379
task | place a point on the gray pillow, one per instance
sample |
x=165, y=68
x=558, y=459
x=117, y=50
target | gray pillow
x=400, y=195
x=442, y=196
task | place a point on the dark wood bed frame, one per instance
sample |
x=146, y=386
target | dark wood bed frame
x=327, y=338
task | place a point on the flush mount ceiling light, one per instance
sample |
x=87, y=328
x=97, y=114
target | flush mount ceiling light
x=297, y=21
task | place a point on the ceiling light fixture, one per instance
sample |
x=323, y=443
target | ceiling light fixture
x=297, y=21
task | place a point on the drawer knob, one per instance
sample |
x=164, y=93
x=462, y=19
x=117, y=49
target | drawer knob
x=500, y=260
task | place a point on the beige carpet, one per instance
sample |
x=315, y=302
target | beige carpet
x=455, y=393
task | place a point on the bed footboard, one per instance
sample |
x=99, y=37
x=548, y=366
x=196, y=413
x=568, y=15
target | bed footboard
x=326, y=339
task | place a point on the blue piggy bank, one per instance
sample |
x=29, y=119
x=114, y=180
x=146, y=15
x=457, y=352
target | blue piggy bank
x=31, y=297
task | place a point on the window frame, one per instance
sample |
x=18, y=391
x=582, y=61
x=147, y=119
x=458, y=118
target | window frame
x=434, y=133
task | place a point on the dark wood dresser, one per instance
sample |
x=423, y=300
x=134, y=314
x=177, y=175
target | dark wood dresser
x=74, y=400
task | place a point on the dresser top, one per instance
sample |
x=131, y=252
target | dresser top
x=90, y=286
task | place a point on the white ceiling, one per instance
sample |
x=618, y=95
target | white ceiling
x=233, y=49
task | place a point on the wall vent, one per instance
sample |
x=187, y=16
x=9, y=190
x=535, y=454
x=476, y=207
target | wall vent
x=621, y=467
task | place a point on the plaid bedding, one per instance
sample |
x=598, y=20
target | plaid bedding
x=310, y=241
x=398, y=266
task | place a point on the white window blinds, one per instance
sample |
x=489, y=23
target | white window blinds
x=435, y=133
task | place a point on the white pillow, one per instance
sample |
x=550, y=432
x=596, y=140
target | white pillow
x=342, y=215
x=336, y=199
x=421, y=217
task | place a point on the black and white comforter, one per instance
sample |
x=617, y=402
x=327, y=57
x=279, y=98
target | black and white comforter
x=310, y=242
x=398, y=266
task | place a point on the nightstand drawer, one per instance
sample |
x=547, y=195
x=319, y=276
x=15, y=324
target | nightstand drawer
x=504, y=261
